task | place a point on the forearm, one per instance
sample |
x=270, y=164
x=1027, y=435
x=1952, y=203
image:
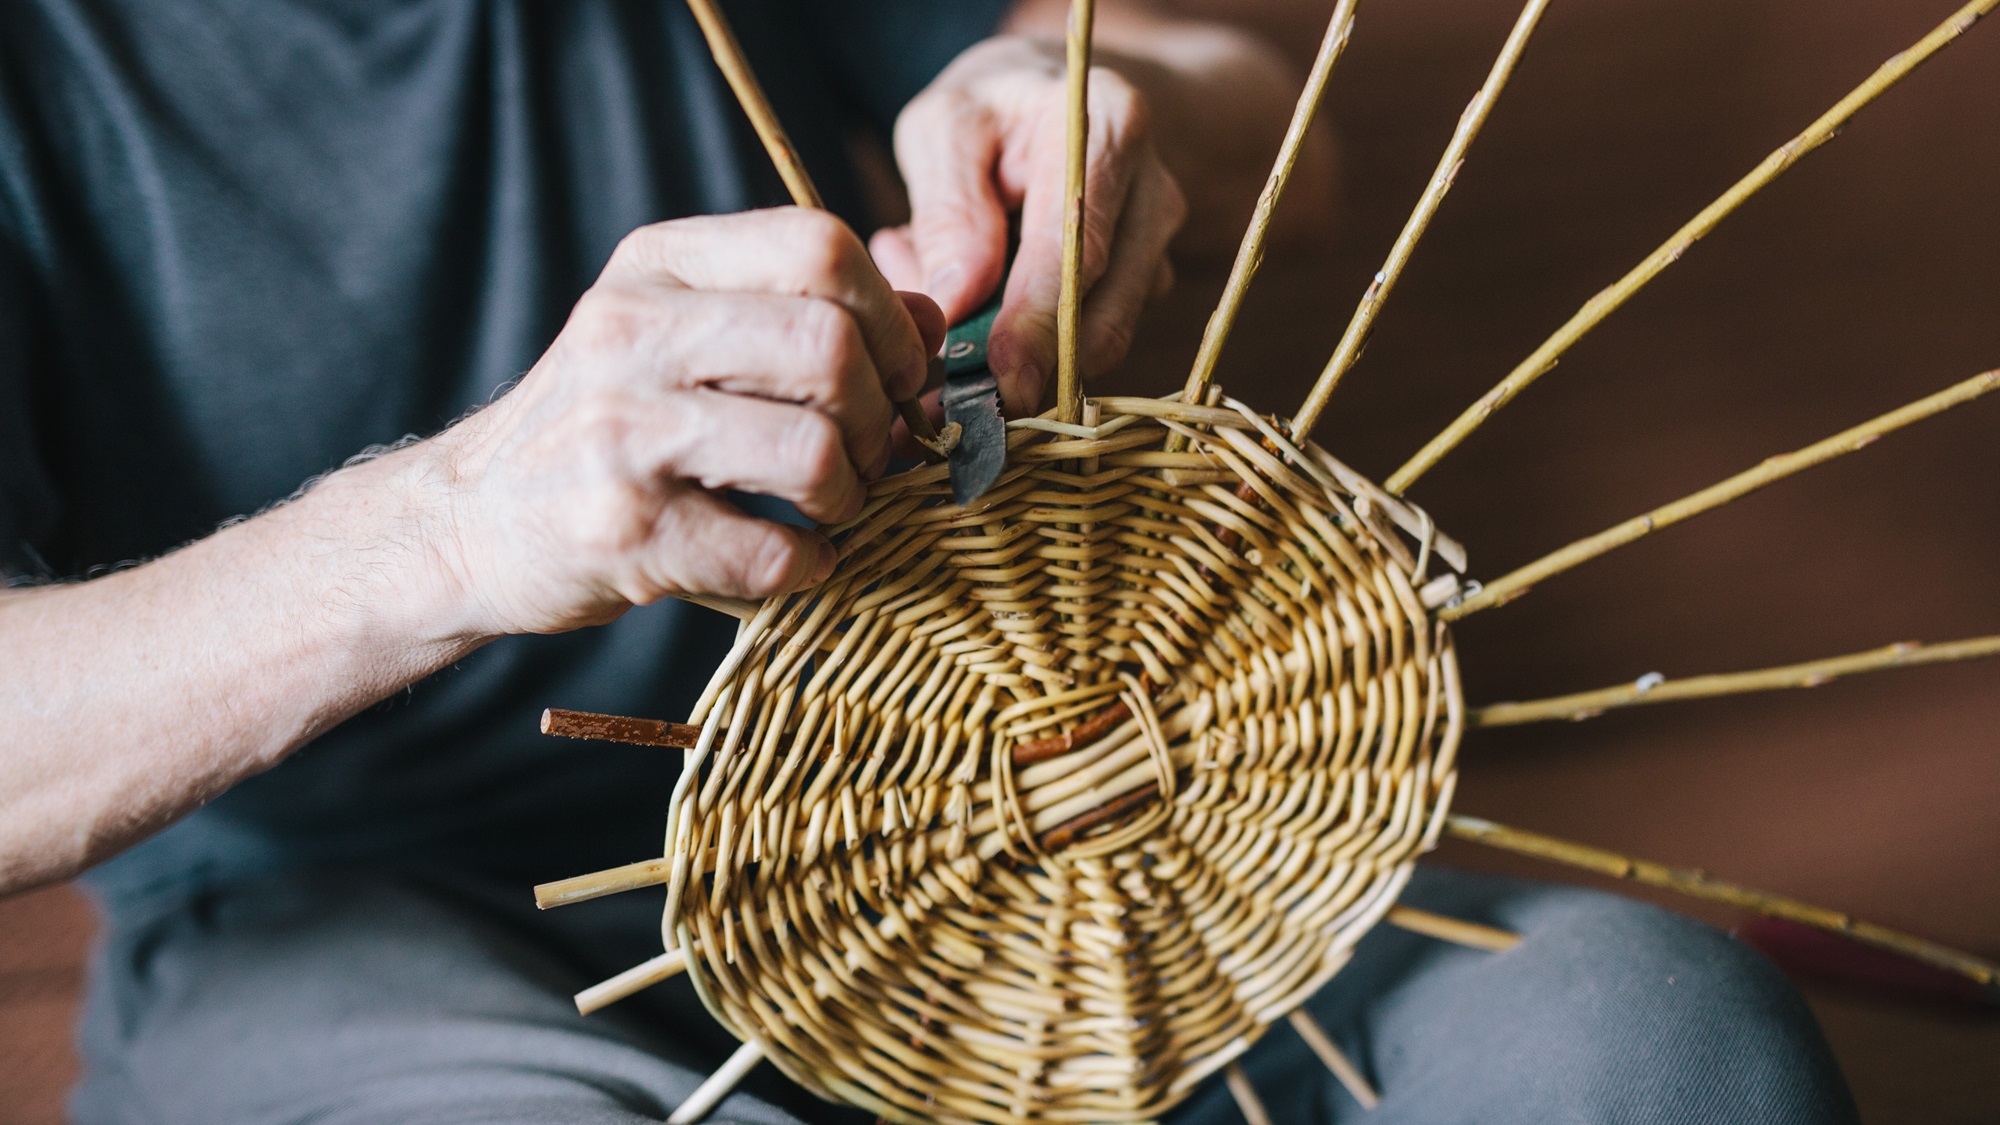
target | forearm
x=1221, y=98
x=133, y=698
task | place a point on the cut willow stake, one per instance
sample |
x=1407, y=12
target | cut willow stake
x=1250, y=253
x=618, y=728
x=634, y=980
x=1453, y=930
x=597, y=884
x=1076, y=136
x=1651, y=689
x=1603, y=304
x=1519, y=582
x=1245, y=1094
x=717, y=1086
x=1696, y=884
x=1334, y=1058
x=1362, y=323
x=735, y=67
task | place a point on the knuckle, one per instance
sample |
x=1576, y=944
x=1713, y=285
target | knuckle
x=824, y=246
x=611, y=319
x=832, y=342
x=643, y=247
x=1120, y=103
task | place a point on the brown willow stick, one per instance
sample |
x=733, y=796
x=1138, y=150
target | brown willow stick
x=1363, y=321
x=1069, y=302
x=619, y=728
x=735, y=67
x=1250, y=252
x=1589, y=704
x=1609, y=300
x=1696, y=884
x=1519, y=582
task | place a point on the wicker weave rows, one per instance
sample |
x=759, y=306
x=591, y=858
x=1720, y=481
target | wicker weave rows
x=937, y=877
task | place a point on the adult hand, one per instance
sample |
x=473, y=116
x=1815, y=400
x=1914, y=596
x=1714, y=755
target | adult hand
x=758, y=352
x=985, y=139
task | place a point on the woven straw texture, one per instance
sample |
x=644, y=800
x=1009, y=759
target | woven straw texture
x=1048, y=807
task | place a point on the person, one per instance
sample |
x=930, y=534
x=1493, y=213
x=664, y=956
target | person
x=501, y=283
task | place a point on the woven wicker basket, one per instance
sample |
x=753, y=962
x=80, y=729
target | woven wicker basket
x=1048, y=807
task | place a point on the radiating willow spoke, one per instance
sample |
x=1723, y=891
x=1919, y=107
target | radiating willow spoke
x=1603, y=304
x=1334, y=1058
x=717, y=1086
x=1777, y=468
x=634, y=980
x=1247, y=1101
x=1469, y=123
x=1696, y=884
x=1651, y=689
x=1250, y=253
x=1069, y=302
x=735, y=67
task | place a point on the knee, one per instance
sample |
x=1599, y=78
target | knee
x=1651, y=1015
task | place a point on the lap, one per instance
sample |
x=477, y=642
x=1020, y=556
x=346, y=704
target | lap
x=369, y=1000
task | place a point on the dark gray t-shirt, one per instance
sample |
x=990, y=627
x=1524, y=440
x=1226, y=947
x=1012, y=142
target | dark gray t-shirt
x=243, y=240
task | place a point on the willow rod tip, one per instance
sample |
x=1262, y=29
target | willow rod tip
x=1698, y=884
x=1773, y=469
x=1355, y=337
x=1250, y=252
x=1595, y=310
x=1658, y=689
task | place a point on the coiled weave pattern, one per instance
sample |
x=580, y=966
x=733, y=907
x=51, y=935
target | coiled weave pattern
x=1047, y=808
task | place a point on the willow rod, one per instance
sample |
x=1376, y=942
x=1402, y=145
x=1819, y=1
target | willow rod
x=718, y=1086
x=1076, y=136
x=1355, y=338
x=1588, y=704
x=1595, y=310
x=735, y=67
x=1519, y=582
x=1250, y=252
x=1247, y=1101
x=1696, y=884
x=1333, y=1058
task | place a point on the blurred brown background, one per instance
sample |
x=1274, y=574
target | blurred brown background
x=1867, y=277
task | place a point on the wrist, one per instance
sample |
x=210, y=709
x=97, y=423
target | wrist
x=392, y=568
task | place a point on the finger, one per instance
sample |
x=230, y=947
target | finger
x=805, y=350
x=931, y=323
x=1153, y=215
x=724, y=441
x=896, y=256
x=947, y=148
x=734, y=555
x=787, y=250
x=1022, y=348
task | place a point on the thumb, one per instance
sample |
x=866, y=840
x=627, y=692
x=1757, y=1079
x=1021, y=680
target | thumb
x=958, y=222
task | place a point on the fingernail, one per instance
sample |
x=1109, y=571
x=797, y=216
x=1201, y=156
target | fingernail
x=828, y=558
x=1028, y=378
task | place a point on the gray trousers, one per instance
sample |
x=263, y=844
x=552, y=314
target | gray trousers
x=359, y=999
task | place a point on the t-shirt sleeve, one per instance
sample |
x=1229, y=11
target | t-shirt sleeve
x=884, y=51
x=27, y=498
